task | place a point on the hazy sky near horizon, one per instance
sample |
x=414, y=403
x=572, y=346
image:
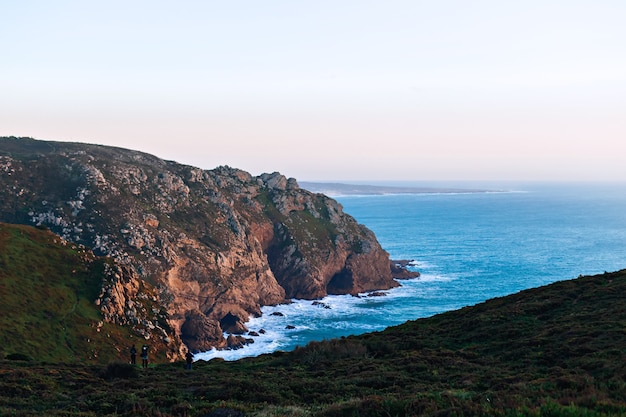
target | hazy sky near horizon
x=328, y=90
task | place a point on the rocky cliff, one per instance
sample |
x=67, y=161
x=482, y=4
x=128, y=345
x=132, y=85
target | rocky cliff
x=208, y=248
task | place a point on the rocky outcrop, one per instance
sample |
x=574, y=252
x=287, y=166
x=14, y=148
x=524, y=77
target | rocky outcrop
x=207, y=247
x=400, y=269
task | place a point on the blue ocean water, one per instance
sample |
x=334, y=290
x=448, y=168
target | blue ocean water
x=469, y=247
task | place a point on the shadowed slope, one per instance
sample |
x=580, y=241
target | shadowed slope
x=48, y=289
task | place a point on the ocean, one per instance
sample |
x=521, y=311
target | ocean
x=468, y=247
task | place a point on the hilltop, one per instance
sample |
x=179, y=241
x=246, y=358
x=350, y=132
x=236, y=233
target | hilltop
x=557, y=350
x=204, y=248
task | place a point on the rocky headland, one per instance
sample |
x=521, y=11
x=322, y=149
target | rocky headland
x=196, y=252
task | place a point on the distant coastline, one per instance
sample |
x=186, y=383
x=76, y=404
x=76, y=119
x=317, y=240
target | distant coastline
x=342, y=189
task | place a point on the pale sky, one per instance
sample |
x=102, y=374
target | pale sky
x=328, y=90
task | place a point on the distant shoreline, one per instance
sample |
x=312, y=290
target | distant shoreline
x=342, y=189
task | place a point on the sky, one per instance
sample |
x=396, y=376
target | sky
x=340, y=90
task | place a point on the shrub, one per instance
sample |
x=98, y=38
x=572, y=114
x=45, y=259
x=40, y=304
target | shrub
x=120, y=370
x=18, y=357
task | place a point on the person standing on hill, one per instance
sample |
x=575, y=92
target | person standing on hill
x=133, y=355
x=189, y=359
x=144, y=356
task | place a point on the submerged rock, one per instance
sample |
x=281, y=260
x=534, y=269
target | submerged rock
x=399, y=269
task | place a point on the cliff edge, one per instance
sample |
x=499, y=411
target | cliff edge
x=215, y=245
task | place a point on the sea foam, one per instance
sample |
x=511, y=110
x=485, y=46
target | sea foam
x=286, y=326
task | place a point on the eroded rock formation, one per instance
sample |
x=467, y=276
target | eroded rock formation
x=207, y=247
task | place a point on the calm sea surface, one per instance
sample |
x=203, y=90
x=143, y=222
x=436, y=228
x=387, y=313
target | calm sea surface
x=468, y=248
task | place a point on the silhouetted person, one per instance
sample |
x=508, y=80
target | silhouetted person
x=133, y=355
x=189, y=359
x=144, y=356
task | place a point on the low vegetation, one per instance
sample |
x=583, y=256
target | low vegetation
x=48, y=289
x=558, y=350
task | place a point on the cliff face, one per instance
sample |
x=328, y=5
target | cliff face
x=215, y=244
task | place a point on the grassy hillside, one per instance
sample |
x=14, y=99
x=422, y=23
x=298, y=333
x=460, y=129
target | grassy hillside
x=47, y=293
x=551, y=351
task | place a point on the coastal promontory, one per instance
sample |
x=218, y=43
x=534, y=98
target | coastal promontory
x=194, y=252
